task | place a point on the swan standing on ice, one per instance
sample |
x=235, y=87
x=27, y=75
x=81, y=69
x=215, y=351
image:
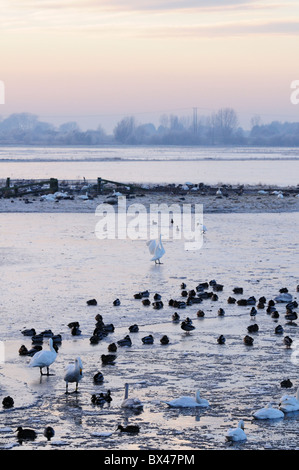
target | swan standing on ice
x=289, y=403
x=156, y=249
x=188, y=402
x=268, y=413
x=131, y=403
x=73, y=373
x=237, y=434
x=44, y=358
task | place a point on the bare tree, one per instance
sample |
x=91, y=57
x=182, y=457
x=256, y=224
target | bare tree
x=124, y=129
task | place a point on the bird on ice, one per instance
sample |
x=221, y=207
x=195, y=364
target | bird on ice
x=44, y=358
x=156, y=249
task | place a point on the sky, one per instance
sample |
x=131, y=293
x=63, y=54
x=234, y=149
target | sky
x=96, y=61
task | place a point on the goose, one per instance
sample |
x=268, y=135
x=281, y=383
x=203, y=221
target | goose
x=236, y=434
x=44, y=358
x=156, y=249
x=131, y=403
x=49, y=432
x=73, y=373
x=268, y=413
x=289, y=403
x=188, y=402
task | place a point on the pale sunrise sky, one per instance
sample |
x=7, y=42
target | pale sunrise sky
x=95, y=61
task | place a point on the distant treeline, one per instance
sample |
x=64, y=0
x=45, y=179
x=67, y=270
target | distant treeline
x=219, y=128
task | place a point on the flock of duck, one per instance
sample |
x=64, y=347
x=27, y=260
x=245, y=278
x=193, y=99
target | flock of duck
x=43, y=359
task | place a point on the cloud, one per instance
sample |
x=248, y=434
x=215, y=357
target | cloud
x=278, y=28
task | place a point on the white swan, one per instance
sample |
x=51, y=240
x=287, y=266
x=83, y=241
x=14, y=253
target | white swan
x=131, y=403
x=268, y=413
x=188, y=402
x=156, y=249
x=236, y=434
x=44, y=358
x=73, y=373
x=289, y=403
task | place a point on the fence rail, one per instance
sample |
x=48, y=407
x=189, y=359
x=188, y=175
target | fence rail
x=20, y=187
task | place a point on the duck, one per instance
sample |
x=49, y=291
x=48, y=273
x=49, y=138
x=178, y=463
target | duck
x=116, y=302
x=130, y=428
x=289, y=403
x=253, y=312
x=286, y=383
x=75, y=331
x=112, y=347
x=221, y=339
x=253, y=328
x=189, y=402
x=73, y=373
x=108, y=358
x=175, y=317
x=187, y=326
x=49, y=432
x=131, y=403
x=92, y=302
x=44, y=358
x=221, y=312
x=126, y=341
x=149, y=339
x=268, y=413
x=8, y=402
x=290, y=316
x=200, y=313
x=26, y=434
x=146, y=302
x=279, y=330
x=98, y=378
x=287, y=341
x=248, y=340
x=236, y=434
x=164, y=339
x=134, y=328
